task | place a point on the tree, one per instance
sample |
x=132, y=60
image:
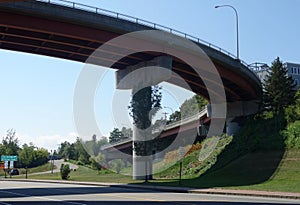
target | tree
x=116, y=136
x=117, y=165
x=40, y=157
x=192, y=106
x=26, y=156
x=144, y=105
x=65, y=150
x=10, y=142
x=278, y=87
x=127, y=133
x=188, y=108
x=2, y=149
x=174, y=117
x=98, y=162
x=83, y=155
x=292, y=112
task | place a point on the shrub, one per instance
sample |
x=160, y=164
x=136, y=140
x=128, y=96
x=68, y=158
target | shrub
x=194, y=147
x=80, y=163
x=65, y=171
x=292, y=135
x=173, y=156
x=117, y=165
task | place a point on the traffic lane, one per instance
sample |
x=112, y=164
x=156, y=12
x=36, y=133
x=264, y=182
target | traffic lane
x=49, y=193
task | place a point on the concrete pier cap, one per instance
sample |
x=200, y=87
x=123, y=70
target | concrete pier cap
x=234, y=110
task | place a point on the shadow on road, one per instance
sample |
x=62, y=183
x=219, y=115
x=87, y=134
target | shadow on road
x=140, y=203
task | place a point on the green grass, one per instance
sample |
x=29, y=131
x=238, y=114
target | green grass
x=265, y=171
x=42, y=168
x=270, y=171
x=255, y=159
x=257, y=171
x=86, y=174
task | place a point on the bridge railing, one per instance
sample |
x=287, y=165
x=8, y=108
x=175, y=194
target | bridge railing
x=167, y=127
x=141, y=22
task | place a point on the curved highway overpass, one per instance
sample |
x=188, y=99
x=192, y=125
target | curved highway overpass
x=74, y=31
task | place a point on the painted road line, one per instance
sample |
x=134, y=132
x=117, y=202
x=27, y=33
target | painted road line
x=2, y=203
x=43, y=198
x=145, y=199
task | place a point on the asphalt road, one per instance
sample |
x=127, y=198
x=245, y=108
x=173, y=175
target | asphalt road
x=51, y=193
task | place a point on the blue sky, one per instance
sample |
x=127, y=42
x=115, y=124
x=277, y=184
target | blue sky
x=37, y=92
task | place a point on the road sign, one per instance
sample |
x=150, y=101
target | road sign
x=11, y=164
x=6, y=165
x=9, y=158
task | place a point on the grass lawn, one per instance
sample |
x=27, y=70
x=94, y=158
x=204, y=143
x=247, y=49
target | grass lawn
x=87, y=174
x=255, y=171
x=42, y=168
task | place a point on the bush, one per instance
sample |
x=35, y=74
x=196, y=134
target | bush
x=173, y=156
x=117, y=165
x=292, y=135
x=65, y=171
x=80, y=163
x=194, y=147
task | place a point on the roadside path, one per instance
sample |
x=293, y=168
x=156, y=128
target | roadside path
x=57, y=163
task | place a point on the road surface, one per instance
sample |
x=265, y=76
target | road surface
x=51, y=193
x=57, y=163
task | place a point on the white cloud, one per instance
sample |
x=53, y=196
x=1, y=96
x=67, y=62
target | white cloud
x=49, y=142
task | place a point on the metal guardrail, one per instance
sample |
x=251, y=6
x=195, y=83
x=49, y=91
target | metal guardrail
x=186, y=119
x=143, y=22
x=169, y=126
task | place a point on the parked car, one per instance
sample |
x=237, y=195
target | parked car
x=14, y=172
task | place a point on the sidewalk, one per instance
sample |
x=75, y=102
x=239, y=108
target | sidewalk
x=252, y=193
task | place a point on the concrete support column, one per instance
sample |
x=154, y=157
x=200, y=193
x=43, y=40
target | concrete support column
x=142, y=165
x=232, y=127
x=233, y=110
x=136, y=77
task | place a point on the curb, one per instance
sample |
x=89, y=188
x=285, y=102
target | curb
x=216, y=191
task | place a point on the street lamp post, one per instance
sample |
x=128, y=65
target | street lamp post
x=237, y=28
x=52, y=161
x=165, y=113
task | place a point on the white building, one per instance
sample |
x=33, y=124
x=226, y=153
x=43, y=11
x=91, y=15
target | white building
x=294, y=71
x=262, y=70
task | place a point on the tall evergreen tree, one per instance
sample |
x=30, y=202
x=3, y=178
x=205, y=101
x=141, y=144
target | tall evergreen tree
x=116, y=136
x=278, y=87
x=144, y=105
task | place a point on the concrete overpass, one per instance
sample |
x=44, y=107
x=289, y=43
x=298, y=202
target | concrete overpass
x=168, y=131
x=72, y=31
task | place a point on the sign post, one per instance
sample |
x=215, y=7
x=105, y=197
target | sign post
x=7, y=158
x=181, y=155
x=5, y=168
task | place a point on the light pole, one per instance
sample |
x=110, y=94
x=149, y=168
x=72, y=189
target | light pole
x=237, y=28
x=165, y=113
x=51, y=161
